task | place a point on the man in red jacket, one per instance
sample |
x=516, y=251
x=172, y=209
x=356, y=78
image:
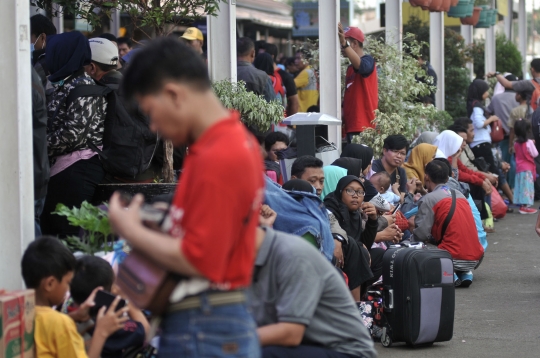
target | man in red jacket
x=461, y=237
x=361, y=97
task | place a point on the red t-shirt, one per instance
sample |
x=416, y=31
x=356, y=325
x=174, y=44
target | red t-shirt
x=360, y=101
x=215, y=208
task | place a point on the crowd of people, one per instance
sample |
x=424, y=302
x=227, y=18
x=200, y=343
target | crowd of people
x=261, y=266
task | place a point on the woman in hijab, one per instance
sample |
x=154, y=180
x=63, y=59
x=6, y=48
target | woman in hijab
x=361, y=152
x=481, y=144
x=265, y=63
x=332, y=175
x=76, y=169
x=425, y=137
x=422, y=154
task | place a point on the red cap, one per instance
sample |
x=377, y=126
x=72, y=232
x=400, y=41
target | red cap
x=355, y=33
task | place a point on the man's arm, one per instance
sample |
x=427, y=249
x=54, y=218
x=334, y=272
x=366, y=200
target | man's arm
x=156, y=245
x=423, y=222
x=293, y=103
x=502, y=80
x=281, y=334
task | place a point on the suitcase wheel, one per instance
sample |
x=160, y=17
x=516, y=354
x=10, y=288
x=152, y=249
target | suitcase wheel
x=386, y=340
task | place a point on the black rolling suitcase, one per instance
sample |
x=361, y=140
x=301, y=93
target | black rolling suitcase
x=419, y=296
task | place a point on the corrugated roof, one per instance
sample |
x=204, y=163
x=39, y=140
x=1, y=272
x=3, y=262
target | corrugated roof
x=269, y=6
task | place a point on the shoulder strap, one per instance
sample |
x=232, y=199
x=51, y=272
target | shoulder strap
x=87, y=91
x=535, y=84
x=450, y=214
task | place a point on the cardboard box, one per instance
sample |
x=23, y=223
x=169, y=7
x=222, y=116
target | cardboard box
x=17, y=311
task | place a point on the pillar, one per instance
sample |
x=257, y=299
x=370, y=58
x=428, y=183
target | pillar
x=489, y=53
x=222, y=43
x=436, y=53
x=467, y=33
x=16, y=176
x=509, y=20
x=394, y=22
x=522, y=32
x=289, y=44
x=329, y=65
x=114, y=23
x=58, y=21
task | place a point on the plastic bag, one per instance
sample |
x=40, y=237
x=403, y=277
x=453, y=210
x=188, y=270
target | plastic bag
x=498, y=207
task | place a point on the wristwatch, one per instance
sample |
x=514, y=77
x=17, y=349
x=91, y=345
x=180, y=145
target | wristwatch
x=497, y=73
x=343, y=47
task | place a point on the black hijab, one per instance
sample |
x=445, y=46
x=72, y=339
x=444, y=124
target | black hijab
x=264, y=62
x=475, y=95
x=351, y=222
x=353, y=165
x=66, y=54
x=358, y=151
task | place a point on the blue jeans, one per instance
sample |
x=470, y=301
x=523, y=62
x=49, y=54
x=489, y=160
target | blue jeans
x=219, y=331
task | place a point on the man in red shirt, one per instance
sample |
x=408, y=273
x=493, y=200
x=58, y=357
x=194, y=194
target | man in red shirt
x=361, y=97
x=214, y=214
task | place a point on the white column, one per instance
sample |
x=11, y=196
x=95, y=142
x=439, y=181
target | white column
x=58, y=21
x=222, y=43
x=436, y=53
x=522, y=32
x=16, y=176
x=114, y=22
x=289, y=44
x=489, y=53
x=467, y=33
x=351, y=12
x=394, y=22
x=329, y=65
x=509, y=20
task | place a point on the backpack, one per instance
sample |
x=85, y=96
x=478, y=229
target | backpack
x=128, y=144
x=279, y=90
x=535, y=95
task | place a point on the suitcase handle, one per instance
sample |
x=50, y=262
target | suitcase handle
x=389, y=304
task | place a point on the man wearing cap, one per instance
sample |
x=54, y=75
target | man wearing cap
x=103, y=70
x=361, y=93
x=194, y=38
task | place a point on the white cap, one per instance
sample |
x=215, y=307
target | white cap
x=103, y=51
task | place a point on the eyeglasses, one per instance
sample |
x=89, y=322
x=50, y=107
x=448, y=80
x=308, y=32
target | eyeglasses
x=351, y=192
x=398, y=153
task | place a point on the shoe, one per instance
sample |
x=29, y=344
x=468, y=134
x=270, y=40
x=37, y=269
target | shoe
x=466, y=278
x=489, y=230
x=525, y=210
x=457, y=280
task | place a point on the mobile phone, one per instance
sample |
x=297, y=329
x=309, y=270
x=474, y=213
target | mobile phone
x=396, y=209
x=104, y=298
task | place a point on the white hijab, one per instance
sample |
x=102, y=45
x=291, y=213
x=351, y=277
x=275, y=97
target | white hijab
x=448, y=143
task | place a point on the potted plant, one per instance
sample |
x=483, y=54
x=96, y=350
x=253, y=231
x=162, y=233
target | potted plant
x=484, y=21
x=473, y=19
x=96, y=233
x=435, y=5
x=462, y=9
x=446, y=5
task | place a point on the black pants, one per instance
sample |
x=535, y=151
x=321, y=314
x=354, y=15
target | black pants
x=484, y=150
x=479, y=196
x=376, y=266
x=302, y=352
x=356, y=264
x=70, y=187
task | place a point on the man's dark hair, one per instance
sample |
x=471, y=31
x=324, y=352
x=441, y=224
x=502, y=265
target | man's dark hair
x=396, y=142
x=274, y=137
x=463, y=122
x=46, y=257
x=535, y=64
x=244, y=45
x=289, y=61
x=164, y=59
x=457, y=128
x=447, y=163
x=437, y=172
x=108, y=36
x=307, y=161
x=104, y=67
x=90, y=272
x=260, y=45
x=510, y=77
x=40, y=24
x=124, y=40
x=272, y=50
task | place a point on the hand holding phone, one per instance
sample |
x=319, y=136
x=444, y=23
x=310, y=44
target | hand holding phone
x=105, y=299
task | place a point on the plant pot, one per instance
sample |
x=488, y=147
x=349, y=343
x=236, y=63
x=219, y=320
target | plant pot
x=485, y=18
x=472, y=20
x=423, y=3
x=446, y=5
x=454, y=2
x=495, y=17
x=435, y=5
x=104, y=191
x=464, y=8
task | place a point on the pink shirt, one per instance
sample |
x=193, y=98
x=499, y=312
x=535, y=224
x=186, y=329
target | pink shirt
x=65, y=161
x=525, y=154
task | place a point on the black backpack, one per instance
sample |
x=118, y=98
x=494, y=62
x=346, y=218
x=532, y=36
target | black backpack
x=128, y=144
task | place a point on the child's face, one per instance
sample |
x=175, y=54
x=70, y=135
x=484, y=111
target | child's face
x=56, y=290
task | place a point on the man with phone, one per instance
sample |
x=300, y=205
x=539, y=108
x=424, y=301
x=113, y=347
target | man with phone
x=214, y=214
